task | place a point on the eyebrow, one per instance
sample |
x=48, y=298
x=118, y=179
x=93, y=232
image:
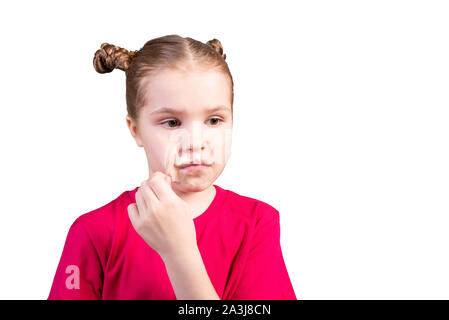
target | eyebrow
x=171, y=110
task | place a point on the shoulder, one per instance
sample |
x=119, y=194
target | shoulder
x=250, y=207
x=104, y=215
x=100, y=223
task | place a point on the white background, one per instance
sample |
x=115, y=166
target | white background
x=341, y=120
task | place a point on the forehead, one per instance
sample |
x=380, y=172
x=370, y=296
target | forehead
x=186, y=90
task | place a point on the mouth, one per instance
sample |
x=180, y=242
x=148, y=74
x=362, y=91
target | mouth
x=193, y=167
x=187, y=165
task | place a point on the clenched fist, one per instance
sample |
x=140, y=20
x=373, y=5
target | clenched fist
x=162, y=218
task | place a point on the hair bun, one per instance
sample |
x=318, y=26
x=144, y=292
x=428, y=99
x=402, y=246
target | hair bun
x=110, y=57
x=216, y=45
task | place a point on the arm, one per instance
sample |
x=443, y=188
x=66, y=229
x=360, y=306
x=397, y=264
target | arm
x=79, y=275
x=189, y=277
x=165, y=222
x=259, y=272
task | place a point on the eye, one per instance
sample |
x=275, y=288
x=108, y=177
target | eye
x=171, y=122
x=216, y=121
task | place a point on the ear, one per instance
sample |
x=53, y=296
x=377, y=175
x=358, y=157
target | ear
x=132, y=125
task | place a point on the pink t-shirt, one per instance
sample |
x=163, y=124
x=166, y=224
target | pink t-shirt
x=238, y=238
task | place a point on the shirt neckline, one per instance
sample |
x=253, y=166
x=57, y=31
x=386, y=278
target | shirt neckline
x=205, y=216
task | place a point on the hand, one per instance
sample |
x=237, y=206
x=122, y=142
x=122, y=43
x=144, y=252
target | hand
x=163, y=219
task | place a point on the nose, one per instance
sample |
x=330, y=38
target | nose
x=193, y=139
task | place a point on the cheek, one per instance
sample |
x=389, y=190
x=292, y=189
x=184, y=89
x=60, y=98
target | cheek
x=224, y=146
x=154, y=148
x=152, y=138
x=227, y=152
x=221, y=147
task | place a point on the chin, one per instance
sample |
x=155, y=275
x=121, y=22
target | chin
x=192, y=184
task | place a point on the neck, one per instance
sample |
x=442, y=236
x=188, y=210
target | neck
x=198, y=201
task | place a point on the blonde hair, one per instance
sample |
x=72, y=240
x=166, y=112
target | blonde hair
x=167, y=52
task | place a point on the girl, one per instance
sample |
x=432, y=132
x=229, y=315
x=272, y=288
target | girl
x=177, y=235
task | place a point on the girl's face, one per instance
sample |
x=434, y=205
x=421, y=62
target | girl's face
x=187, y=118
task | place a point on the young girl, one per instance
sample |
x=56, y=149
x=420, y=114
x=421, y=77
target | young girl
x=177, y=235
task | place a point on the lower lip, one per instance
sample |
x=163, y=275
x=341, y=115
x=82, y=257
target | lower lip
x=195, y=168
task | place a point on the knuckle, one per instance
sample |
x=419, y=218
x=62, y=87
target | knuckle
x=171, y=205
x=157, y=176
x=155, y=210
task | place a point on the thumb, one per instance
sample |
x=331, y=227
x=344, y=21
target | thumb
x=168, y=178
x=133, y=214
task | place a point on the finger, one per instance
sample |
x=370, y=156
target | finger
x=168, y=179
x=170, y=163
x=141, y=204
x=148, y=194
x=161, y=187
x=133, y=214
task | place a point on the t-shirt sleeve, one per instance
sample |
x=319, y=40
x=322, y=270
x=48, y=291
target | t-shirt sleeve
x=79, y=273
x=265, y=275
